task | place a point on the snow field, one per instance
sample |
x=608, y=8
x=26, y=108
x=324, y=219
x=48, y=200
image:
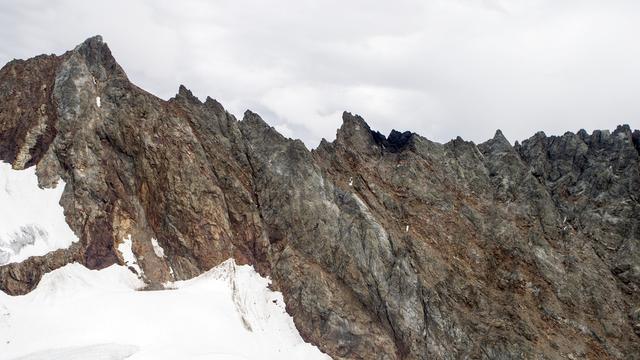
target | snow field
x=226, y=313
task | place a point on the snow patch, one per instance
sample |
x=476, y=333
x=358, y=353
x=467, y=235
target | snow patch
x=32, y=221
x=127, y=254
x=86, y=313
x=351, y=181
x=98, y=103
x=157, y=249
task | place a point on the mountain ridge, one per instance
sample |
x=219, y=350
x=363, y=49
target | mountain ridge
x=383, y=247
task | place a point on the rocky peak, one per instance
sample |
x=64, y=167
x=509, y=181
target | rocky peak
x=214, y=105
x=95, y=41
x=254, y=119
x=253, y=124
x=582, y=134
x=636, y=139
x=355, y=133
x=397, y=141
x=186, y=95
x=625, y=129
x=499, y=137
x=101, y=63
x=498, y=143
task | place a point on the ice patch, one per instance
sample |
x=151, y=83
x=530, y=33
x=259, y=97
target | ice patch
x=32, y=221
x=157, y=249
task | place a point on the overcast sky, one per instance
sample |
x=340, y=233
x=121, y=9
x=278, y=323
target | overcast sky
x=439, y=68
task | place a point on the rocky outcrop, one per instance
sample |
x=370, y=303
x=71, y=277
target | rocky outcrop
x=384, y=247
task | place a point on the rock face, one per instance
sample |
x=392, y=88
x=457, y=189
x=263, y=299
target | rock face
x=384, y=247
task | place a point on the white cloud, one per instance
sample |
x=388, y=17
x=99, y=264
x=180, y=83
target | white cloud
x=439, y=68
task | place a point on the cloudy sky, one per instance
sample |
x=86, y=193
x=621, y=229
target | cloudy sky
x=441, y=68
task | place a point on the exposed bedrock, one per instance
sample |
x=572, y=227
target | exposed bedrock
x=384, y=247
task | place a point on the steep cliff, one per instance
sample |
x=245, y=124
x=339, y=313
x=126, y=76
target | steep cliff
x=384, y=247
